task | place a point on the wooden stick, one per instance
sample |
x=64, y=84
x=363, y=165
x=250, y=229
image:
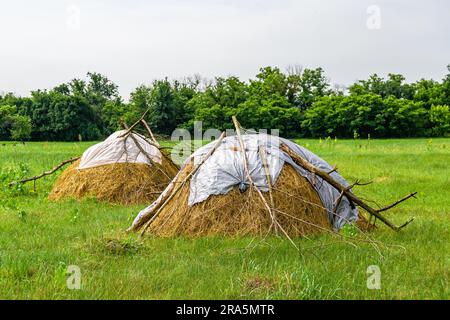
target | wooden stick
x=150, y=132
x=262, y=154
x=403, y=225
x=172, y=194
x=123, y=124
x=154, y=206
x=46, y=173
x=157, y=165
x=249, y=177
x=337, y=202
x=135, y=124
x=352, y=197
x=241, y=143
x=156, y=144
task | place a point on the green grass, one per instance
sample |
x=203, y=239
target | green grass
x=39, y=239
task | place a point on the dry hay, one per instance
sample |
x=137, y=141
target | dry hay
x=299, y=210
x=119, y=183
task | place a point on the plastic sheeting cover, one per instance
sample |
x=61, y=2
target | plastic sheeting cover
x=117, y=149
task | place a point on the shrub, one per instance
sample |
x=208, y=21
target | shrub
x=9, y=174
x=439, y=117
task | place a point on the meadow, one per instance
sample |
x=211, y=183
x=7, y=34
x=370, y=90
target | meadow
x=39, y=239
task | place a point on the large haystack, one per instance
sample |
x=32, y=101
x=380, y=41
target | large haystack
x=242, y=213
x=127, y=170
x=213, y=195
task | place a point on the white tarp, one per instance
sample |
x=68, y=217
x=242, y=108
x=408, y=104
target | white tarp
x=117, y=149
x=224, y=169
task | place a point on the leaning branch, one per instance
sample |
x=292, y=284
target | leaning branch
x=150, y=132
x=141, y=149
x=135, y=124
x=252, y=183
x=46, y=173
x=345, y=190
x=262, y=154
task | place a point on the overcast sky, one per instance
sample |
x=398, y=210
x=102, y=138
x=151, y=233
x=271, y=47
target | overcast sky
x=44, y=43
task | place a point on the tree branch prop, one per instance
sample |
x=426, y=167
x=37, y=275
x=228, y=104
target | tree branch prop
x=346, y=190
x=150, y=132
x=262, y=154
x=46, y=173
x=155, y=142
x=252, y=183
x=337, y=202
x=135, y=124
x=136, y=142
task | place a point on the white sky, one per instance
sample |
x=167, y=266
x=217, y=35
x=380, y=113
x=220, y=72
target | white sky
x=44, y=43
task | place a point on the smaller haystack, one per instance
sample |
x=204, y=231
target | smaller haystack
x=127, y=168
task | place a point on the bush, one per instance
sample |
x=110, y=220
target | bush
x=365, y=114
x=439, y=117
x=10, y=174
x=12, y=125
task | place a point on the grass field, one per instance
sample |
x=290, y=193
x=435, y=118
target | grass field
x=40, y=239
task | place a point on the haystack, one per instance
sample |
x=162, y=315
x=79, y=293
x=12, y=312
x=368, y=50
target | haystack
x=256, y=184
x=127, y=168
x=224, y=190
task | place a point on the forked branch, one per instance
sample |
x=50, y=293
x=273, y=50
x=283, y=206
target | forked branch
x=141, y=149
x=411, y=195
x=135, y=124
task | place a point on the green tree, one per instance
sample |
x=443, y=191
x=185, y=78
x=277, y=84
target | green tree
x=393, y=86
x=167, y=102
x=12, y=125
x=305, y=86
x=217, y=103
x=61, y=117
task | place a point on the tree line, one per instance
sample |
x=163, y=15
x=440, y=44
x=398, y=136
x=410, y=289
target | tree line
x=299, y=102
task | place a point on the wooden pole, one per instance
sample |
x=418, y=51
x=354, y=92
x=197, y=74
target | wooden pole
x=135, y=124
x=262, y=154
x=153, y=143
x=150, y=132
x=252, y=183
